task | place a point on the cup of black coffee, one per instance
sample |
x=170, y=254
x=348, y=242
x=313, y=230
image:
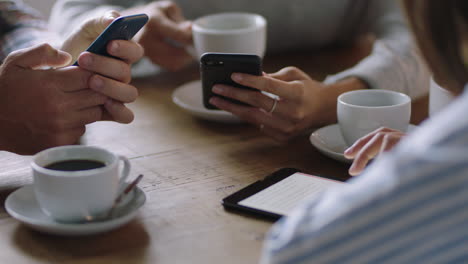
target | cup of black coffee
x=77, y=183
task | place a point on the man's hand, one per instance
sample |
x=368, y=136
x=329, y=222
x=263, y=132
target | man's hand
x=83, y=36
x=111, y=76
x=44, y=108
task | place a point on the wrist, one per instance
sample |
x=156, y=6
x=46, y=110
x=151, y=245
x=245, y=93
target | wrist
x=331, y=92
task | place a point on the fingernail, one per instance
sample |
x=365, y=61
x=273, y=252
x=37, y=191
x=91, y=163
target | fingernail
x=217, y=89
x=97, y=83
x=237, y=77
x=86, y=59
x=114, y=48
x=347, y=152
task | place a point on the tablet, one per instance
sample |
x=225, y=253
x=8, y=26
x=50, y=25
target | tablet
x=278, y=193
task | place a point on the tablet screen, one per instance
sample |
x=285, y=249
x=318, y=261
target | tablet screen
x=284, y=195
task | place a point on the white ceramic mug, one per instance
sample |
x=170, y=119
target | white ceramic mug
x=363, y=111
x=80, y=195
x=230, y=33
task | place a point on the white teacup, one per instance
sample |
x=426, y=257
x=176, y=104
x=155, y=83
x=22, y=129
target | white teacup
x=77, y=194
x=230, y=33
x=363, y=111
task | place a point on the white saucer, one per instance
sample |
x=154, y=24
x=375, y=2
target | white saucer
x=189, y=97
x=329, y=141
x=22, y=205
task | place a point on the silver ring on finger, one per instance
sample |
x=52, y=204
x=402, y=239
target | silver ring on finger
x=273, y=107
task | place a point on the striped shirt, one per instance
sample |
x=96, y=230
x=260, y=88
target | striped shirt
x=409, y=206
x=21, y=27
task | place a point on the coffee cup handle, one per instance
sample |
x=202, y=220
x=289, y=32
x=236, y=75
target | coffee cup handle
x=125, y=172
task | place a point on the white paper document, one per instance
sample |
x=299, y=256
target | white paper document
x=284, y=195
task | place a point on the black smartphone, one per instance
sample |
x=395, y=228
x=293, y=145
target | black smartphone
x=216, y=68
x=121, y=28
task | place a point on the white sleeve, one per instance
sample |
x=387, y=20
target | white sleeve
x=394, y=62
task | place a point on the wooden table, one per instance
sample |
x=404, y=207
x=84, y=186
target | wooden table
x=189, y=166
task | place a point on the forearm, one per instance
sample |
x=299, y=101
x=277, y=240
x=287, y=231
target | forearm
x=394, y=62
x=21, y=27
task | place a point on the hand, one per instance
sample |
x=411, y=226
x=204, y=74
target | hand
x=112, y=76
x=166, y=26
x=83, y=36
x=371, y=145
x=44, y=108
x=303, y=102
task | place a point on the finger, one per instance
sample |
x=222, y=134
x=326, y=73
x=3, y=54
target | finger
x=84, y=99
x=267, y=84
x=119, y=112
x=352, y=151
x=289, y=74
x=255, y=99
x=167, y=56
x=38, y=56
x=368, y=152
x=106, y=66
x=83, y=117
x=390, y=140
x=119, y=91
x=256, y=116
x=96, y=26
x=69, y=79
x=68, y=137
x=128, y=51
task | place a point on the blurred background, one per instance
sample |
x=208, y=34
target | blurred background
x=42, y=5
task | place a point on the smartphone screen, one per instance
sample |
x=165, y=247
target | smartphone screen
x=216, y=68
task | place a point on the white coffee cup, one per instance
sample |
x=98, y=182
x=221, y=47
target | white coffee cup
x=363, y=111
x=230, y=33
x=79, y=195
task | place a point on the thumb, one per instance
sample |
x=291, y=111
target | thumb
x=95, y=26
x=39, y=56
x=289, y=74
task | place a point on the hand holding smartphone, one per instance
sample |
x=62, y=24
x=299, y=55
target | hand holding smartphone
x=216, y=68
x=121, y=28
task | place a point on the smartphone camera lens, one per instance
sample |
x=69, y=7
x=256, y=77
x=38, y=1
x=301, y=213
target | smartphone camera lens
x=214, y=63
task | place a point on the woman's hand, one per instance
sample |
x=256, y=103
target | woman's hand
x=301, y=103
x=371, y=145
x=166, y=35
